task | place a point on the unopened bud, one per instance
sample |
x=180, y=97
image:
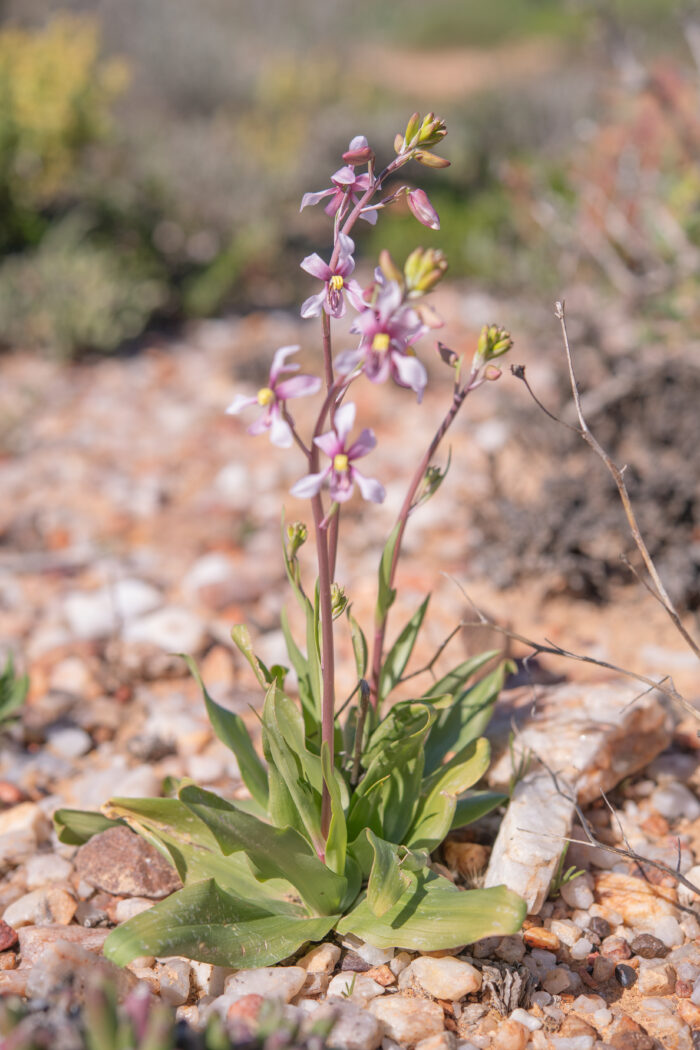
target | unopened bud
x=338, y=601
x=412, y=128
x=389, y=267
x=432, y=130
x=493, y=342
x=423, y=269
x=422, y=209
x=430, y=160
x=447, y=355
x=359, y=154
x=297, y=534
x=492, y=373
x=399, y=144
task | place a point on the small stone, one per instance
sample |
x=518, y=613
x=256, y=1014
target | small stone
x=408, y=1020
x=352, y=961
x=690, y=1014
x=8, y=960
x=315, y=985
x=276, y=982
x=511, y=949
x=246, y=1008
x=576, y=1028
x=42, y=908
x=656, y=978
x=34, y=941
x=599, y=926
x=69, y=742
x=65, y=961
x=357, y=987
x=558, y=980
x=8, y=936
x=485, y=948
x=129, y=907
x=524, y=1018
x=673, y=800
x=669, y=931
x=368, y=953
x=354, y=1028
x=625, y=975
x=649, y=947
x=512, y=1035
x=45, y=868
x=615, y=948
x=581, y=949
x=323, y=958
x=567, y=931
x=175, y=976
x=122, y=863
x=577, y=893
x=660, y=1017
x=174, y=629
x=23, y=828
x=447, y=978
x=399, y=963
x=382, y=975
x=442, y=1041
x=603, y=969
x=638, y=902
x=539, y=937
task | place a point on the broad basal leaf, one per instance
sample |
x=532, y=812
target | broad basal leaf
x=76, y=826
x=434, y=915
x=476, y=804
x=387, y=880
x=436, y=811
x=202, y=922
x=465, y=720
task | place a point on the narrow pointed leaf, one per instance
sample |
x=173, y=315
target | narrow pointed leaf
x=477, y=804
x=400, y=652
x=434, y=915
x=241, y=639
x=203, y=922
x=387, y=882
x=337, y=841
x=359, y=645
x=232, y=731
x=76, y=826
x=466, y=719
x=385, y=593
x=455, y=681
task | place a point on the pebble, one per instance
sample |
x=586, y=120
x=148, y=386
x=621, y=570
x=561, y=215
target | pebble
x=539, y=937
x=512, y=1035
x=44, y=907
x=625, y=975
x=354, y=1028
x=35, y=940
x=447, y=978
x=68, y=742
x=636, y=901
x=558, y=980
x=649, y=947
x=603, y=969
x=23, y=828
x=124, y=864
x=442, y=1041
x=276, y=982
x=175, y=630
x=524, y=1018
x=577, y=893
x=669, y=931
x=615, y=948
x=44, y=868
x=356, y=987
x=673, y=800
x=565, y=930
x=322, y=958
x=581, y=949
x=369, y=954
x=408, y=1020
x=130, y=906
x=399, y=963
x=8, y=936
x=656, y=978
x=175, y=977
x=511, y=949
x=660, y=1017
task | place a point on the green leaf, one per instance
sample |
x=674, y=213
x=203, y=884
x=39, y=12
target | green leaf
x=13, y=690
x=435, y=813
x=462, y=771
x=203, y=922
x=275, y=852
x=466, y=719
x=241, y=639
x=359, y=644
x=455, y=680
x=434, y=915
x=76, y=826
x=398, y=656
x=232, y=731
x=337, y=840
x=309, y=702
x=387, y=882
x=477, y=804
x=385, y=593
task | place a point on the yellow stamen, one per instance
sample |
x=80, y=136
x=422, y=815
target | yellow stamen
x=265, y=396
x=340, y=463
x=381, y=341
x=336, y=283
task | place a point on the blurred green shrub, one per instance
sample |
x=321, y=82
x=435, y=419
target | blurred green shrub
x=72, y=293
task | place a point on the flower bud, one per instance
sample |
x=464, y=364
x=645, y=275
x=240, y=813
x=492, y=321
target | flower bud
x=430, y=160
x=360, y=155
x=297, y=534
x=412, y=128
x=492, y=373
x=448, y=356
x=423, y=269
x=389, y=267
x=432, y=130
x=422, y=209
x=399, y=143
x=493, y=342
x=338, y=601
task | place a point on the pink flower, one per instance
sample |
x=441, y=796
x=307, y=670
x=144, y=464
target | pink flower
x=341, y=474
x=388, y=328
x=346, y=186
x=419, y=204
x=331, y=298
x=272, y=397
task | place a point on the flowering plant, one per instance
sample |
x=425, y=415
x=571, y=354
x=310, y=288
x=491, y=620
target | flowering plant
x=342, y=815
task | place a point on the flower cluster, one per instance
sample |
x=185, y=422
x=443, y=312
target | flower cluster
x=390, y=316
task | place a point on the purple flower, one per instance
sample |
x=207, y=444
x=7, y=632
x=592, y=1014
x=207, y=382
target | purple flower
x=331, y=298
x=272, y=397
x=341, y=473
x=346, y=185
x=388, y=328
x=419, y=203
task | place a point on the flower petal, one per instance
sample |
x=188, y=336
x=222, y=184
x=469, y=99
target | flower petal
x=308, y=486
x=329, y=443
x=298, y=386
x=347, y=247
x=239, y=402
x=370, y=215
x=315, y=265
x=278, y=365
x=314, y=198
x=347, y=360
x=411, y=373
x=344, y=420
x=312, y=306
x=344, y=176
x=280, y=430
x=261, y=424
x=370, y=488
x=354, y=293
x=358, y=142
x=364, y=444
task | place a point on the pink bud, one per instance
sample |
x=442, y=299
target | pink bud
x=419, y=203
x=492, y=373
x=358, y=156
